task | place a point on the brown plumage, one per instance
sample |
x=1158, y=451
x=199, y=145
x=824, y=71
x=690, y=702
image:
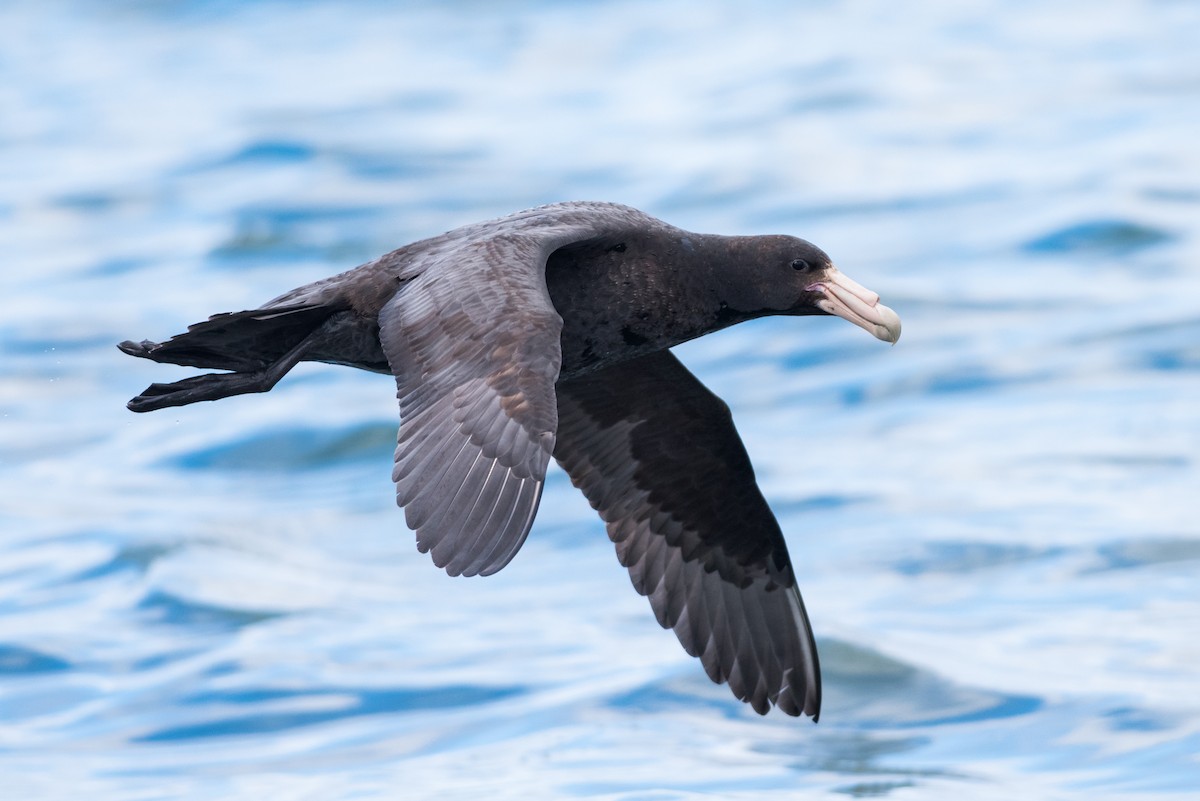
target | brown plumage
x=546, y=333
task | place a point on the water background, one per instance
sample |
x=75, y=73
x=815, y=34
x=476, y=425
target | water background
x=995, y=521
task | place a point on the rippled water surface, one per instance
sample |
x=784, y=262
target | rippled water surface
x=995, y=521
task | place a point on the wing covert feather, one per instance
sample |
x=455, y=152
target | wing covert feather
x=473, y=341
x=657, y=455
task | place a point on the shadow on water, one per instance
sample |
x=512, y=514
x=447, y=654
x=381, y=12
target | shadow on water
x=886, y=710
x=878, y=692
x=863, y=689
x=864, y=754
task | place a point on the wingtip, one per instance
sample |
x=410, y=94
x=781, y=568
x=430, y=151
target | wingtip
x=812, y=706
x=798, y=705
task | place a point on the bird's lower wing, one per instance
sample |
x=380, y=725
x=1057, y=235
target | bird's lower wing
x=657, y=455
x=473, y=340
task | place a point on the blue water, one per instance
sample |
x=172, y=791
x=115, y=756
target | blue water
x=995, y=521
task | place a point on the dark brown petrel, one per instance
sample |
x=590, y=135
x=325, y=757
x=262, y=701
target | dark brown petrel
x=543, y=333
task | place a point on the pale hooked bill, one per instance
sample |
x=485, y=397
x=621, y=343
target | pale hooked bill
x=852, y=301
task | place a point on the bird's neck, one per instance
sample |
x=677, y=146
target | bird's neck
x=618, y=308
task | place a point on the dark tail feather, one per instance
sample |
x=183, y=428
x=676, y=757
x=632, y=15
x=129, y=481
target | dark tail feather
x=241, y=341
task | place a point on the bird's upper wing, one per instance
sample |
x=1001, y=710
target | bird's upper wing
x=473, y=340
x=657, y=455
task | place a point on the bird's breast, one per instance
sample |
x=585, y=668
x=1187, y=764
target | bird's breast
x=614, y=310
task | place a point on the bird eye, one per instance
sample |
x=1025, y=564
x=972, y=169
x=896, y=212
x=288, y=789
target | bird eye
x=801, y=266
x=618, y=248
